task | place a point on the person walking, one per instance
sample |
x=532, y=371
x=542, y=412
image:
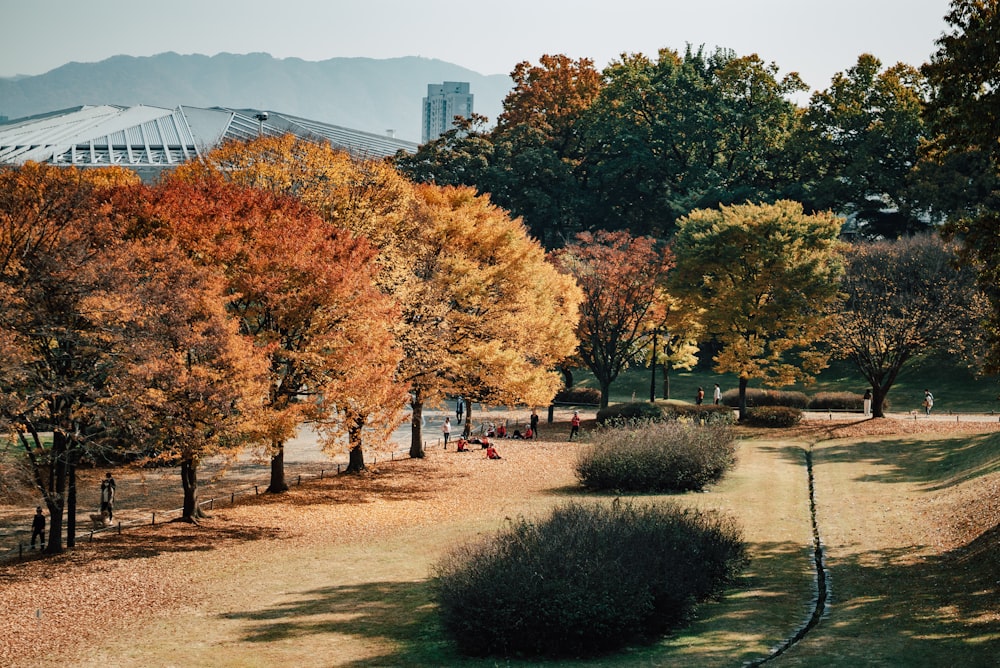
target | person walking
x=717, y=395
x=108, y=495
x=700, y=396
x=38, y=528
x=446, y=430
x=574, y=428
x=868, y=402
x=928, y=402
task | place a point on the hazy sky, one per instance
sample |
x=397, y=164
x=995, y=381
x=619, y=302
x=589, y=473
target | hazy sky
x=816, y=38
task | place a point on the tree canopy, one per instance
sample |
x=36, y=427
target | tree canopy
x=765, y=276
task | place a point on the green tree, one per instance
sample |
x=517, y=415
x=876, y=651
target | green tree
x=905, y=299
x=621, y=277
x=765, y=276
x=963, y=77
x=684, y=132
x=857, y=146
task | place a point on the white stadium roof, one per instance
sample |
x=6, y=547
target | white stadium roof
x=150, y=139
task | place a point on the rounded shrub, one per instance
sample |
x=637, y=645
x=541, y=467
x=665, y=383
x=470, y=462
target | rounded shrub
x=772, y=416
x=704, y=414
x=840, y=401
x=588, y=580
x=657, y=457
x=636, y=411
x=578, y=395
x=759, y=397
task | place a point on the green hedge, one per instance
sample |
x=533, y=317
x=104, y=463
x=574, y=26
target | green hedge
x=588, y=580
x=657, y=457
x=578, y=395
x=772, y=416
x=636, y=411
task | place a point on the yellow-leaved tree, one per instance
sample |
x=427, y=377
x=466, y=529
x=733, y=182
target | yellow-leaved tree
x=491, y=318
x=766, y=276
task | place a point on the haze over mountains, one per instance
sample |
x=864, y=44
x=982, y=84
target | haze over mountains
x=358, y=93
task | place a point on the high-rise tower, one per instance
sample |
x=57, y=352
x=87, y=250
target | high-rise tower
x=443, y=103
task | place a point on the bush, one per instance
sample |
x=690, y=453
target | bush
x=579, y=396
x=657, y=457
x=840, y=401
x=758, y=397
x=773, y=416
x=637, y=411
x=588, y=580
x=704, y=414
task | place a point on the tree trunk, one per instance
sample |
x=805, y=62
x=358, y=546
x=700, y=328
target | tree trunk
x=71, y=500
x=356, y=455
x=567, y=374
x=666, y=381
x=189, y=481
x=467, y=430
x=878, y=399
x=652, y=371
x=416, y=429
x=605, y=392
x=56, y=493
x=743, y=397
x=278, y=483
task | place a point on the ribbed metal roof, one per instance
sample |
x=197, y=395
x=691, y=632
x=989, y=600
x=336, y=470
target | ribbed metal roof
x=149, y=139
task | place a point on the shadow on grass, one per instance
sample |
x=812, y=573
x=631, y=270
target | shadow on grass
x=937, y=463
x=890, y=609
x=403, y=616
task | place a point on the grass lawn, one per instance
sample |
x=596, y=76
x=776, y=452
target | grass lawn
x=954, y=388
x=336, y=572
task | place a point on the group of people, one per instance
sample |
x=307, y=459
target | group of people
x=699, y=397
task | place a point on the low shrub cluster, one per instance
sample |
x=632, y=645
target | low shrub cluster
x=759, y=397
x=657, y=457
x=636, y=411
x=840, y=401
x=578, y=395
x=704, y=414
x=586, y=581
x=772, y=416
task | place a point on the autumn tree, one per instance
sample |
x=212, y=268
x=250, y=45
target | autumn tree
x=765, y=276
x=857, y=146
x=620, y=276
x=495, y=318
x=369, y=202
x=963, y=112
x=671, y=340
x=904, y=300
x=196, y=385
x=304, y=292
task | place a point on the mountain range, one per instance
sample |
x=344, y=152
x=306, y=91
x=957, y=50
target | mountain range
x=374, y=95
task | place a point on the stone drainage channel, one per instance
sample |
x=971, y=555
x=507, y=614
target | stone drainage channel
x=821, y=583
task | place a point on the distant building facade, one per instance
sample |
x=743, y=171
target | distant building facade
x=150, y=139
x=443, y=103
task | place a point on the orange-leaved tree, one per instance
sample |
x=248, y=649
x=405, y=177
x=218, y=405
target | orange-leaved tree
x=622, y=277
x=363, y=197
x=489, y=318
x=304, y=291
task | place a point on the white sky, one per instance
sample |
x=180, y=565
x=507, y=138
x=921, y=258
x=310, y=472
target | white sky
x=816, y=38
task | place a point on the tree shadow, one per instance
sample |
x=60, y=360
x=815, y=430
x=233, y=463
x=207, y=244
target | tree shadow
x=936, y=463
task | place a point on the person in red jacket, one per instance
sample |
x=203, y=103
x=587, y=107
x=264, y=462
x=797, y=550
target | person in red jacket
x=574, y=425
x=491, y=453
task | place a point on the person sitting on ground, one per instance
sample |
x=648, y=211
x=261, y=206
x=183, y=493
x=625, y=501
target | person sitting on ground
x=502, y=430
x=491, y=430
x=462, y=444
x=529, y=434
x=517, y=434
x=491, y=453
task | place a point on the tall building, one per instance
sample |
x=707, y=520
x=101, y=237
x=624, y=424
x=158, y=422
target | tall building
x=443, y=103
